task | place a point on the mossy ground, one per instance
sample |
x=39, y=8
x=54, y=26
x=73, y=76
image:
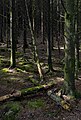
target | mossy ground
x=32, y=108
x=35, y=104
x=10, y=110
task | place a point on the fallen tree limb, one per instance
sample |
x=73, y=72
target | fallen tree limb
x=61, y=102
x=27, y=91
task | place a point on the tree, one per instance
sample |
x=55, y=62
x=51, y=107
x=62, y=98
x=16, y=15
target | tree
x=1, y=19
x=77, y=63
x=8, y=23
x=13, y=34
x=25, y=33
x=36, y=57
x=49, y=47
x=69, y=68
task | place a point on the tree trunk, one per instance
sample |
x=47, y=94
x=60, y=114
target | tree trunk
x=49, y=46
x=69, y=69
x=24, y=32
x=77, y=63
x=13, y=34
x=36, y=58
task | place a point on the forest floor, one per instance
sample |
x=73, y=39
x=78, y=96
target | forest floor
x=39, y=106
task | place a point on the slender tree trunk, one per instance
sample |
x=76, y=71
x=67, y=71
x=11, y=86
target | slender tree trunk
x=77, y=44
x=25, y=41
x=45, y=17
x=52, y=27
x=1, y=22
x=34, y=44
x=49, y=47
x=13, y=34
x=58, y=27
x=43, y=21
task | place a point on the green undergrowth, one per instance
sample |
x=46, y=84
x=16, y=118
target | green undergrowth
x=4, y=62
x=77, y=94
x=11, y=110
x=3, y=49
x=19, y=54
x=26, y=64
x=34, y=104
x=27, y=67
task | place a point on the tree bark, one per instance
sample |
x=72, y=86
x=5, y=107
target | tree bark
x=13, y=34
x=69, y=69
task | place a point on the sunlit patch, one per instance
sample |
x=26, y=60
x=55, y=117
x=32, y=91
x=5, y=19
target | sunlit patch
x=5, y=70
x=56, y=48
x=59, y=79
x=57, y=68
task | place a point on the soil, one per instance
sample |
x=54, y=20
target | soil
x=17, y=79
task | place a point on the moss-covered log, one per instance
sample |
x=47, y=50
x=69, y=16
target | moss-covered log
x=27, y=91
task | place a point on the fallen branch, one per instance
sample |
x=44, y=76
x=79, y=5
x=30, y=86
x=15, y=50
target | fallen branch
x=61, y=102
x=27, y=91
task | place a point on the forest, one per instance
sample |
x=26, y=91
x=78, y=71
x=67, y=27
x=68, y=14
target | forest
x=40, y=59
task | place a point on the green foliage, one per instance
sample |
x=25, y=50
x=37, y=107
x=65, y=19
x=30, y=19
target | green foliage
x=4, y=62
x=12, y=110
x=27, y=67
x=77, y=94
x=36, y=104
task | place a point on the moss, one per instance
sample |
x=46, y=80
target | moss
x=31, y=78
x=30, y=90
x=5, y=70
x=19, y=70
x=3, y=49
x=27, y=67
x=4, y=62
x=36, y=104
x=77, y=94
x=11, y=110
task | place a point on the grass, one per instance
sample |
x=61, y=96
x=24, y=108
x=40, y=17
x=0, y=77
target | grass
x=38, y=103
x=11, y=110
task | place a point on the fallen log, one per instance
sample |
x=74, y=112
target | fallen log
x=27, y=91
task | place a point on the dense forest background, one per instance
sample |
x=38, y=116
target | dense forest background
x=40, y=59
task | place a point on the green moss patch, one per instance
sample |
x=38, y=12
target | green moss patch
x=36, y=104
x=5, y=70
x=11, y=110
x=28, y=67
